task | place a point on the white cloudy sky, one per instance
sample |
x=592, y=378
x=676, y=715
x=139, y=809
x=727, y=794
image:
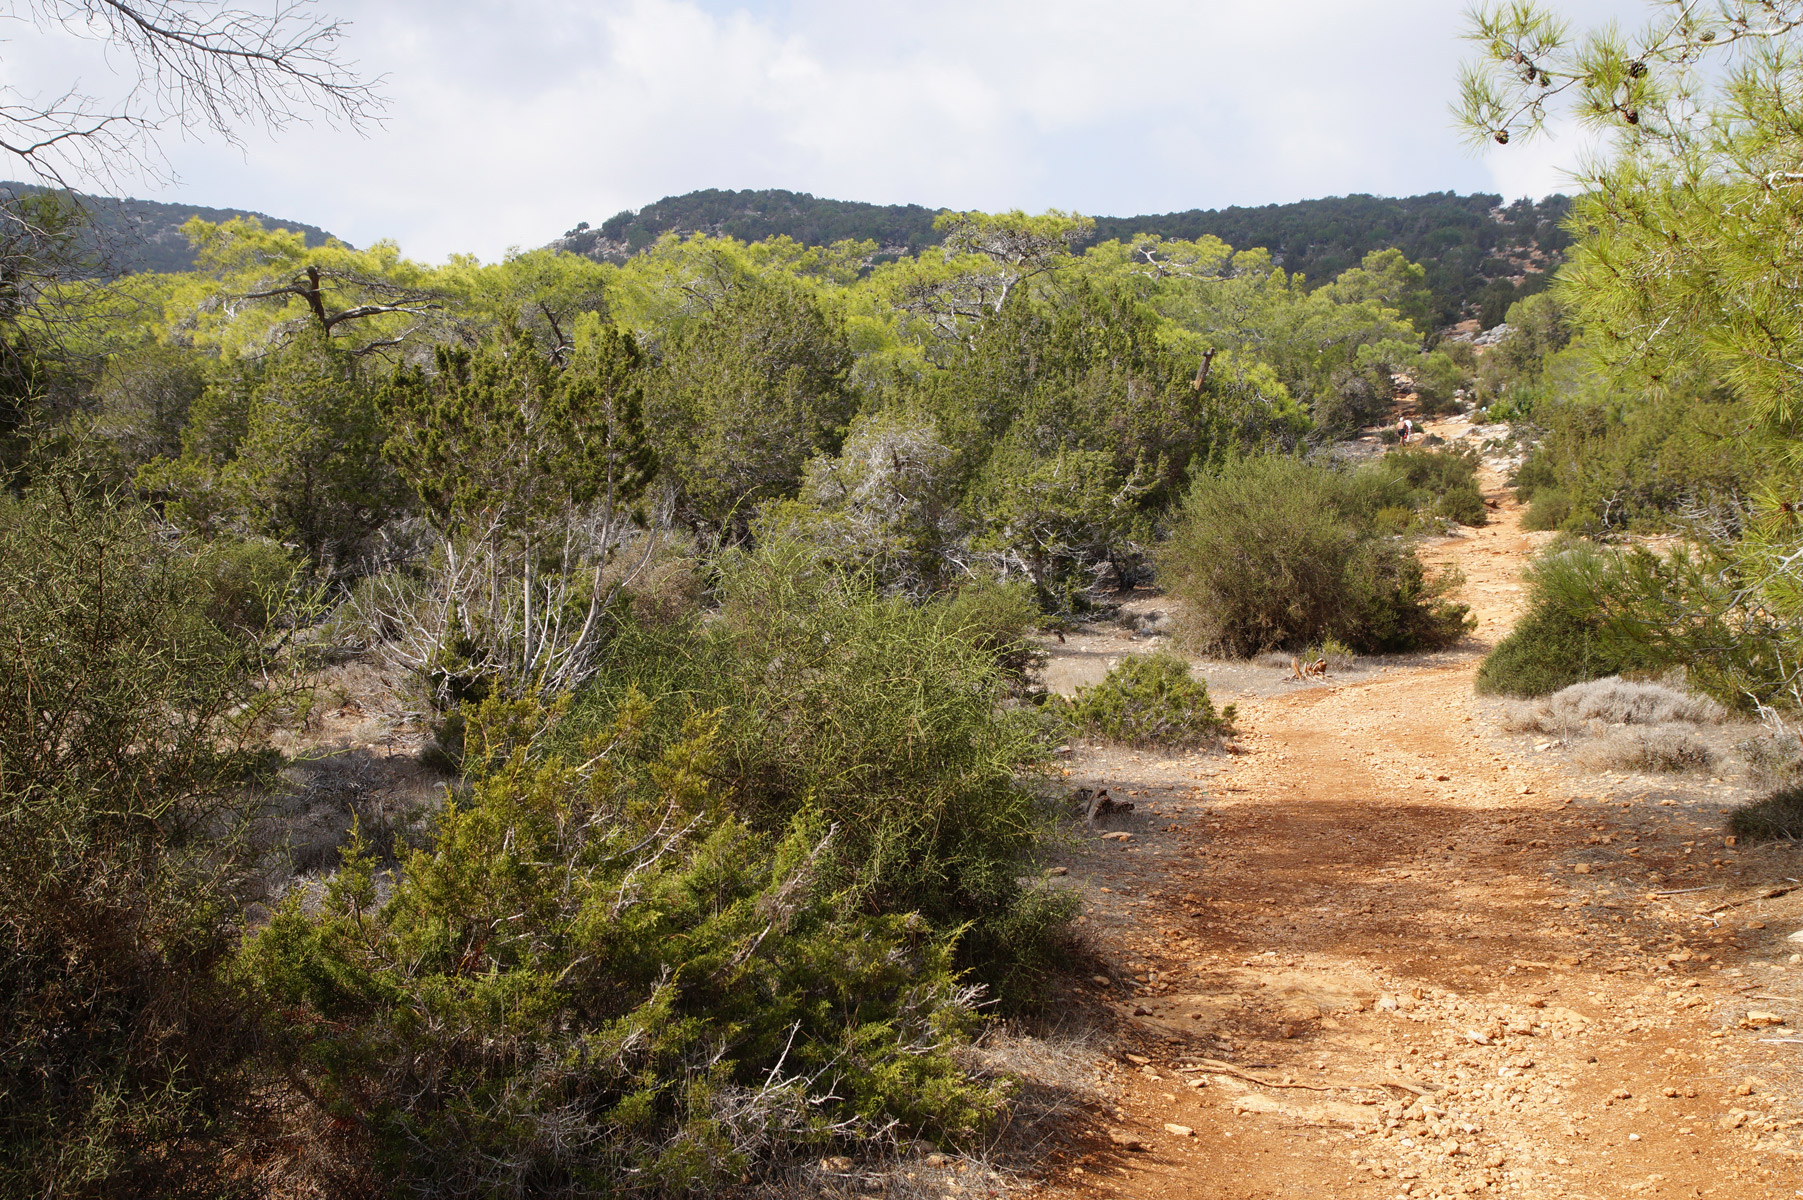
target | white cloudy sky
x=509, y=121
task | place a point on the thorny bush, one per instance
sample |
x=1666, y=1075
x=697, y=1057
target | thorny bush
x=125, y=710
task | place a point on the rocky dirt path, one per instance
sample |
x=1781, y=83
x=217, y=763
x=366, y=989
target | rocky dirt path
x=1389, y=950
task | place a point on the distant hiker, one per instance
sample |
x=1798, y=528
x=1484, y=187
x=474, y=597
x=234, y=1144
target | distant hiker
x=1408, y=429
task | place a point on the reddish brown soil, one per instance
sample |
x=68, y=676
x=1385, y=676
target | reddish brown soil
x=1386, y=901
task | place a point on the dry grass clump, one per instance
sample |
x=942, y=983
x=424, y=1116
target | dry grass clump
x=1611, y=701
x=662, y=582
x=1773, y=759
x=1051, y=1077
x=1668, y=747
x=901, y=1171
x=1626, y=725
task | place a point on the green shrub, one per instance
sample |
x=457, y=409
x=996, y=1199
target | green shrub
x=1779, y=815
x=1150, y=700
x=1566, y=635
x=252, y=581
x=1274, y=553
x=1354, y=399
x=122, y=751
x=1431, y=483
x=873, y=714
x=1610, y=461
x=601, y=981
x=1439, y=377
x=995, y=618
x=1725, y=613
x=1551, y=508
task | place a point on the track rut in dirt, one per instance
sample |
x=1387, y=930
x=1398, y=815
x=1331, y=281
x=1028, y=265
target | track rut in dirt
x=1391, y=950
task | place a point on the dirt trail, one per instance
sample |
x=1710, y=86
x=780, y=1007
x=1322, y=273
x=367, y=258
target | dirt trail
x=1447, y=945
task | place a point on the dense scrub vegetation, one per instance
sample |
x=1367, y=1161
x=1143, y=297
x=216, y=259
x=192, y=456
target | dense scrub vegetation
x=710, y=570
x=882, y=718
x=128, y=728
x=710, y=577
x=1606, y=459
x=1276, y=553
x=601, y=973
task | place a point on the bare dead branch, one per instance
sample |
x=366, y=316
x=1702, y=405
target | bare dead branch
x=197, y=65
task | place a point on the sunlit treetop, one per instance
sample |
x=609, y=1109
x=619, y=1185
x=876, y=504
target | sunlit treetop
x=1691, y=222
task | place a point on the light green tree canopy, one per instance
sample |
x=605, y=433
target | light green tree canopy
x=1691, y=217
x=255, y=288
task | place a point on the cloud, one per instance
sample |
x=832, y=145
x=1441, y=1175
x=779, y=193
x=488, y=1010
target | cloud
x=510, y=121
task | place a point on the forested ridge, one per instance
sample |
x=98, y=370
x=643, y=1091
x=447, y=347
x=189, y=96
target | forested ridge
x=1480, y=254
x=123, y=235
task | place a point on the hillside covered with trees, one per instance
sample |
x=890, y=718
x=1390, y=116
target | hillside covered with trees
x=125, y=236
x=1480, y=255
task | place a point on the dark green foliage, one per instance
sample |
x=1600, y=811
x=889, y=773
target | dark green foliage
x=310, y=468
x=1438, y=377
x=1150, y=700
x=1550, y=508
x=1548, y=649
x=876, y=715
x=745, y=396
x=1771, y=818
x=754, y=215
x=39, y=248
x=1468, y=254
x=503, y=439
x=120, y=742
x=1275, y=553
x=1566, y=636
x=1074, y=426
x=530, y=470
x=599, y=981
x=1055, y=518
x=1089, y=373
x=143, y=400
x=1356, y=398
x=1433, y=483
x=1638, y=463
x=1719, y=612
x=288, y=447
